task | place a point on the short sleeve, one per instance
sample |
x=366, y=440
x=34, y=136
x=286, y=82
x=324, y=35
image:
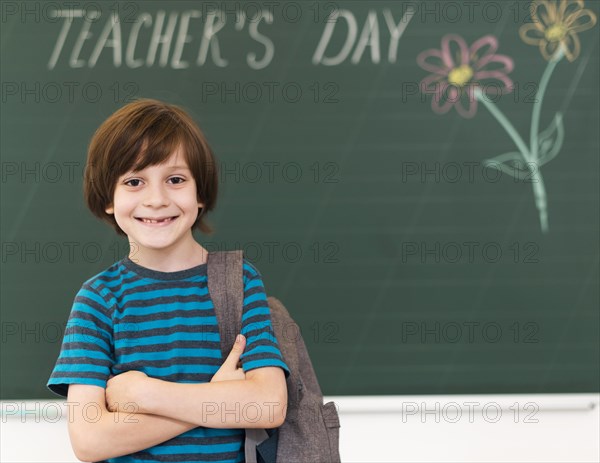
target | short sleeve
x=262, y=349
x=86, y=354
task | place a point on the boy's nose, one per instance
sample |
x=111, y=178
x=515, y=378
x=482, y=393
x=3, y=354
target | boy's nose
x=155, y=196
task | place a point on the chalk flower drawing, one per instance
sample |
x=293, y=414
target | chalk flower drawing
x=554, y=29
x=557, y=25
x=455, y=79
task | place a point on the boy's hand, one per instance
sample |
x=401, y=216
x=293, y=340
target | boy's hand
x=231, y=368
x=123, y=392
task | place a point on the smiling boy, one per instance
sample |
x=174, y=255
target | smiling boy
x=156, y=209
x=140, y=362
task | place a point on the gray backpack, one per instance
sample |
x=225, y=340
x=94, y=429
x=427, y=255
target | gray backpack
x=310, y=433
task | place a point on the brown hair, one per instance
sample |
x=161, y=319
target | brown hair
x=140, y=134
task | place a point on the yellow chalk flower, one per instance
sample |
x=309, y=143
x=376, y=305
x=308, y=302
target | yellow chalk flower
x=556, y=24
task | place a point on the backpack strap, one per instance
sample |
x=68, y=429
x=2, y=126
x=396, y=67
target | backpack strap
x=254, y=436
x=226, y=288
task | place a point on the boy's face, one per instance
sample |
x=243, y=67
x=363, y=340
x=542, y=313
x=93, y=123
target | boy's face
x=166, y=191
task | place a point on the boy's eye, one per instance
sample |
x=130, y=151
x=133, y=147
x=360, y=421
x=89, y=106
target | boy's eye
x=176, y=180
x=132, y=180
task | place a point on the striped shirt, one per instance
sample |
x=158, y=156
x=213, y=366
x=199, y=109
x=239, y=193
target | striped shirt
x=129, y=317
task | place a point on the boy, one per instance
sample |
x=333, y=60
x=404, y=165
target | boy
x=140, y=362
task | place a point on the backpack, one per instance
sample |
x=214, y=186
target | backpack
x=310, y=432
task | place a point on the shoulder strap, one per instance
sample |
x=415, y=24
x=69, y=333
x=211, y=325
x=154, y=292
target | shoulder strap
x=226, y=288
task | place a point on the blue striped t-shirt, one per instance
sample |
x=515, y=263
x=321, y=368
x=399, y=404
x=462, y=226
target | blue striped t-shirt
x=129, y=317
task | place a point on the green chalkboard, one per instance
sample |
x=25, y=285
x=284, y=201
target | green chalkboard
x=389, y=167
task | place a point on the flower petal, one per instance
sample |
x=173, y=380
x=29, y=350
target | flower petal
x=437, y=66
x=547, y=14
x=463, y=50
x=571, y=46
x=548, y=49
x=474, y=50
x=531, y=34
x=466, y=106
x=506, y=61
x=431, y=83
x=440, y=109
x=568, y=7
x=577, y=21
x=507, y=81
x=447, y=103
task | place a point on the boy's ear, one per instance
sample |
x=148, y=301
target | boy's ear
x=109, y=210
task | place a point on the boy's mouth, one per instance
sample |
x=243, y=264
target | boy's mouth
x=157, y=221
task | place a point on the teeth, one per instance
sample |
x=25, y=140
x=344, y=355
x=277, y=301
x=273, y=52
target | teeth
x=155, y=221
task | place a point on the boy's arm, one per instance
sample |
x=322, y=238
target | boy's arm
x=97, y=434
x=259, y=401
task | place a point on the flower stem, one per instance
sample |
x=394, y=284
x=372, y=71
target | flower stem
x=539, y=194
x=504, y=122
x=539, y=191
x=537, y=105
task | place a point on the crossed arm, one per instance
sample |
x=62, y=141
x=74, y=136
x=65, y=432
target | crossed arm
x=143, y=412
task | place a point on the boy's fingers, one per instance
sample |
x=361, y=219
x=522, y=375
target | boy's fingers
x=237, y=350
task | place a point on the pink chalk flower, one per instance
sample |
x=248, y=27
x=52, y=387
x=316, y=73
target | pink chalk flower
x=457, y=70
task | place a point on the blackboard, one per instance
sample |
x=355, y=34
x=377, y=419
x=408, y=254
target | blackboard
x=416, y=247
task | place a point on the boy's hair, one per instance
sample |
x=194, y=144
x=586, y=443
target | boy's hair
x=145, y=133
